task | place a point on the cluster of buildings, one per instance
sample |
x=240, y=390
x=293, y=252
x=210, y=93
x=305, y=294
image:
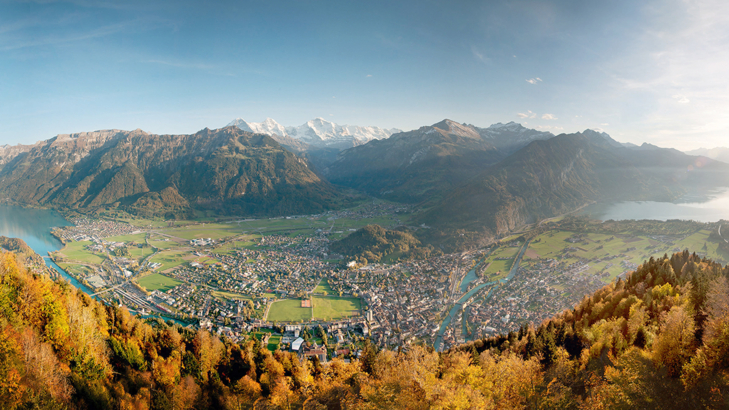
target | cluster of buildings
x=253, y=272
x=537, y=292
x=406, y=301
x=202, y=242
x=403, y=303
x=86, y=229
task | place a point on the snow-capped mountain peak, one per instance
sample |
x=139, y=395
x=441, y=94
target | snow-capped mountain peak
x=318, y=132
x=268, y=126
x=509, y=126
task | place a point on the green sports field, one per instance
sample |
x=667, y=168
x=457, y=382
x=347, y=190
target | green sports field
x=288, y=310
x=159, y=282
x=75, y=251
x=333, y=308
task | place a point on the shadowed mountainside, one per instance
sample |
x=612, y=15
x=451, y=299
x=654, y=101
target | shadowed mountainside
x=556, y=176
x=425, y=163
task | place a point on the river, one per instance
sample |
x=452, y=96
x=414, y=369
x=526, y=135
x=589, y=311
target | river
x=34, y=227
x=466, y=297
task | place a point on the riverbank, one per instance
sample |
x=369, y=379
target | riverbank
x=463, y=301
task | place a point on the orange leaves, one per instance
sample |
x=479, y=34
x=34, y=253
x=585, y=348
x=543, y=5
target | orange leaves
x=208, y=350
x=674, y=344
x=11, y=389
x=43, y=370
x=166, y=372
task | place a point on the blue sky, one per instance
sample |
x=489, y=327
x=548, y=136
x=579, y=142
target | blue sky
x=652, y=71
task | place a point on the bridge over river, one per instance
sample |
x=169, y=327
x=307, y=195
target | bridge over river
x=458, y=306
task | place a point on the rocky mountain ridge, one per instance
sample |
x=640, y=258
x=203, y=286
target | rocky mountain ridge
x=225, y=170
x=421, y=164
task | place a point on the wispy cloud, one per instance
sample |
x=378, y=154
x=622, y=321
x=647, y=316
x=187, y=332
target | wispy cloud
x=181, y=64
x=681, y=99
x=51, y=40
x=99, y=4
x=548, y=117
x=534, y=80
x=480, y=56
x=17, y=25
x=368, y=75
x=527, y=114
x=680, y=53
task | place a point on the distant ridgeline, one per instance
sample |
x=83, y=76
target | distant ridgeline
x=471, y=184
x=477, y=183
x=658, y=339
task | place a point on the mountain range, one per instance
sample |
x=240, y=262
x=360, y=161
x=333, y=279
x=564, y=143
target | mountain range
x=227, y=171
x=718, y=153
x=317, y=133
x=555, y=176
x=422, y=164
x=479, y=182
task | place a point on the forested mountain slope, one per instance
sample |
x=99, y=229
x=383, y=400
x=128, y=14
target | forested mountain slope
x=658, y=339
x=226, y=170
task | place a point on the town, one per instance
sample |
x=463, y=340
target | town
x=276, y=279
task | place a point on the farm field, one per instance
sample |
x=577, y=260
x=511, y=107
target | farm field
x=135, y=220
x=76, y=270
x=198, y=231
x=242, y=242
x=160, y=243
x=221, y=294
x=500, y=268
x=159, y=282
x=290, y=227
x=592, y=246
x=548, y=244
x=170, y=259
x=288, y=310
x=75, y=251
x=696, y=243
x=137, y=237
x=140, y=253
x=332, y=308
